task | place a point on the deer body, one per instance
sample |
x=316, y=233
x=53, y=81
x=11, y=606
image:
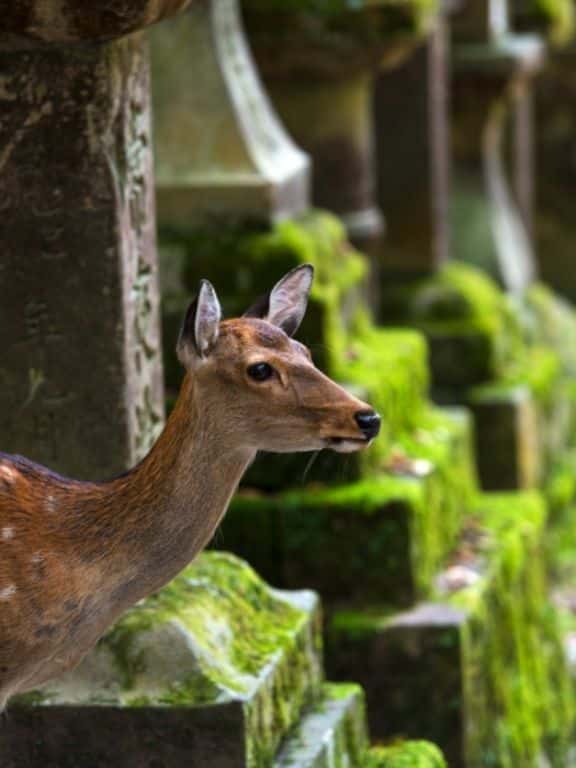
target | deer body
x=75, y=555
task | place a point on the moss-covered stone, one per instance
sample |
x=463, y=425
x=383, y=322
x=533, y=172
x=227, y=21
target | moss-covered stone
x=377, y=539
x=492, y=634
x=215, y=638
x=508, y=446
x=472, y=328
x=331, y=734
x=408, y=754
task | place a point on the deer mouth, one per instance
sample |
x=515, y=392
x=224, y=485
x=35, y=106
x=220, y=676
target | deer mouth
x=347, y=444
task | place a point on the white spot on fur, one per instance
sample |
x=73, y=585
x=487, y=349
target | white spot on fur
x=8, y=592
x=7, y=474
x=7, y=534
x=50, y=503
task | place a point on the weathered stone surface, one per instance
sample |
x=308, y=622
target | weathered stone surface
x=67, y=21
x=80, y=377
x=332, y=732
x=508, y=442
x=412, y=152
x=213, y=670
x=410, y=667
x=221, y=151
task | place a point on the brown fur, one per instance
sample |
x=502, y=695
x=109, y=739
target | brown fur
x=75, y=555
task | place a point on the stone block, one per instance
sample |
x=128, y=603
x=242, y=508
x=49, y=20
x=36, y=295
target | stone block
x=213, y=670
x=473, y=331
x=489, y=642
x=332, y=731
x=508, y=442
x=381, y=539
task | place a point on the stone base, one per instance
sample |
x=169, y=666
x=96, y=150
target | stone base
x=488, y=644
x=213, y=671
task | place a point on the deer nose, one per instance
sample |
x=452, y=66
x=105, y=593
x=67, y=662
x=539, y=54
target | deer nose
x=369, y=423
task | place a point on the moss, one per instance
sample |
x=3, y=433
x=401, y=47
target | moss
x=408, y=754
x=514, y=662
x=473, y=329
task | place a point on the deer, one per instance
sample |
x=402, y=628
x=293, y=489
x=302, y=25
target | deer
x=76, y=554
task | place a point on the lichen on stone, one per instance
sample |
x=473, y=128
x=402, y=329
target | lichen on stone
x=407, y=754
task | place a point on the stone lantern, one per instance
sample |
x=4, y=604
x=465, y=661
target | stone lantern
x=319, y=62
x=491, y=68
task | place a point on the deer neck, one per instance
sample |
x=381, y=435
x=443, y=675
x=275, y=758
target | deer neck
x=174, y=500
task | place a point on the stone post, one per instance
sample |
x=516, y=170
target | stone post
x=412, y=149
x=80, y=377
x=490, y=66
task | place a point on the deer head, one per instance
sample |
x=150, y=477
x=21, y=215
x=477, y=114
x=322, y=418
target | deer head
x=262, y=384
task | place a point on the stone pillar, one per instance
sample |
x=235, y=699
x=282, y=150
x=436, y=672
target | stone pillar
x=80, y=376
x=412, y=148
x=490, y=65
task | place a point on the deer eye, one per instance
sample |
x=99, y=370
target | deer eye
x=260, y=371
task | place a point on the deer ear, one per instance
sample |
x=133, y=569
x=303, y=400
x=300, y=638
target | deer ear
x=201, y=325
x=285, y=305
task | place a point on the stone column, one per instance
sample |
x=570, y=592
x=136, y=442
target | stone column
x=80, y=376
x=490, y=66
x=412, y=149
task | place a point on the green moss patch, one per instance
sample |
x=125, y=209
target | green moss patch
x=472, y=327
x=514, y=663
x=409, y=754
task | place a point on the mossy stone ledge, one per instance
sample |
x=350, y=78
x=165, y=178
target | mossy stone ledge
x=489, y=642
x=215, y=665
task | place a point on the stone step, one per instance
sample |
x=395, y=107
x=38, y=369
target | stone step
x=381, y=538
x=331, y=733
x=488, y=643
x=212, y=671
